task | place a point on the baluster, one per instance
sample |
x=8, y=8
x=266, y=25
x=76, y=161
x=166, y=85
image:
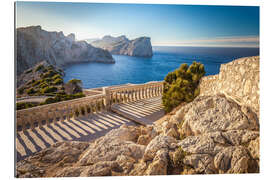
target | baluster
x=136, y=94
x=23, y=122
x=132, y=94
x=41, y=119
x=151, y=91
x=48, y=117
x=121, y=96
x=55, y=111
x=103, y=105
x=88, y=109
x=62, y=112
x=68, y=112
x=140, y=93
x=92, y=107
x=32, y=121
x=82, y=110
x=127, y=95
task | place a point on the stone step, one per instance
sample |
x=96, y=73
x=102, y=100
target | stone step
x=116, y=108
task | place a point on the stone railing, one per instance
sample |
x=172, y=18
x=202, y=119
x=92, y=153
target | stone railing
x=51, y=113
x=46, y=114
x=133, y=92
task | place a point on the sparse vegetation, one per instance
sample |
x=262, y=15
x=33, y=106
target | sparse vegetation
x=49, y=82
x=58, y=81
x=178, y=158
x=182, y=85
x=24, y=105
x=40, y=67
x=74, y=81
x=49, y=89
x=28, y=71
x=30, y=91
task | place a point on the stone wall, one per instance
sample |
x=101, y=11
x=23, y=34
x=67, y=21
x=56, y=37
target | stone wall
x=238, y=80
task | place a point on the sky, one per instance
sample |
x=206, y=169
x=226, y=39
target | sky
x=167, y=25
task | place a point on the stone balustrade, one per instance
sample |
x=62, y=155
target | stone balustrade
x=51, y=113
x=134, y=92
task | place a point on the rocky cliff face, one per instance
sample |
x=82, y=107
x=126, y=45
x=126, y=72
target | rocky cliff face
x=121, y=45
x=213, y=134
x=35, y=45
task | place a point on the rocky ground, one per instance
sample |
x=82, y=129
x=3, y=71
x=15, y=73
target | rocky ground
x=213, y=134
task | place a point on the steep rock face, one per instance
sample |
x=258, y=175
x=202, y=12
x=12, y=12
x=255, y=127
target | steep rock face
x=121, y=45
x=35, y=45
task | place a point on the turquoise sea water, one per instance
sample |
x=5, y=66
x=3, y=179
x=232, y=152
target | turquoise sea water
x=140, y=70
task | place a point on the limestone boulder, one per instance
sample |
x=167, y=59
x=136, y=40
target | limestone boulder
x=215, y=113
x=158, y=143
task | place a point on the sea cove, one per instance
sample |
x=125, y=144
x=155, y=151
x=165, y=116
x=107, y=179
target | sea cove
x=137, y=70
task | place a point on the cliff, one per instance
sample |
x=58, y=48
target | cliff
x=215, y=133
x=35, y=45
x=121, y=45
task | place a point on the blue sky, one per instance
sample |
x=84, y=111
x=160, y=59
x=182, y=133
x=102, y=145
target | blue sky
x=170, y=25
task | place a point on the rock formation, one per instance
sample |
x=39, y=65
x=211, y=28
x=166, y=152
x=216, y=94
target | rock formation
x=213, y=134
x=35, y=45
x=121, y=45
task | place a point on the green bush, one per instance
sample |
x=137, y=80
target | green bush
x=178, y=157
x=39, y=68
x=58, y=81
x=30, y=91
x=24, y=105
x=21, y=90
x=43, y=85
x=36, y=82
x=49, y=74
x=57, y=76
x=49, y=89
x=74, y=81
x=28, y=71
x=182, y=85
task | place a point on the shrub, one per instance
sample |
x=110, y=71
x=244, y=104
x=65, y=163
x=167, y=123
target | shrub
x=28, y=71
x=24, y=105
x=178, y=158
x=36, y=82
x=57, y=76
x=30, y=91
x=21, y=90
x=49, y=89
x=58, y=81
x=39, y=68
x=74, y=81
x=43, y=85
x=182, y=85
x=49, y=74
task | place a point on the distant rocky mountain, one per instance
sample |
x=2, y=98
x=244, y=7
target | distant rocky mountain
x=35, y=45
x=121, y=45
x=90, y=40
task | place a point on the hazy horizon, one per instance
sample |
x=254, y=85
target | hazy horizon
x=166, y=25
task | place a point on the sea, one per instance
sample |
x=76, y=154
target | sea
x=165, y=59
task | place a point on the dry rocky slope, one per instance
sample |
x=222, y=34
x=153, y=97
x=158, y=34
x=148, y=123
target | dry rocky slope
x=140, y=47
x=35, y=45
x=213, y=134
